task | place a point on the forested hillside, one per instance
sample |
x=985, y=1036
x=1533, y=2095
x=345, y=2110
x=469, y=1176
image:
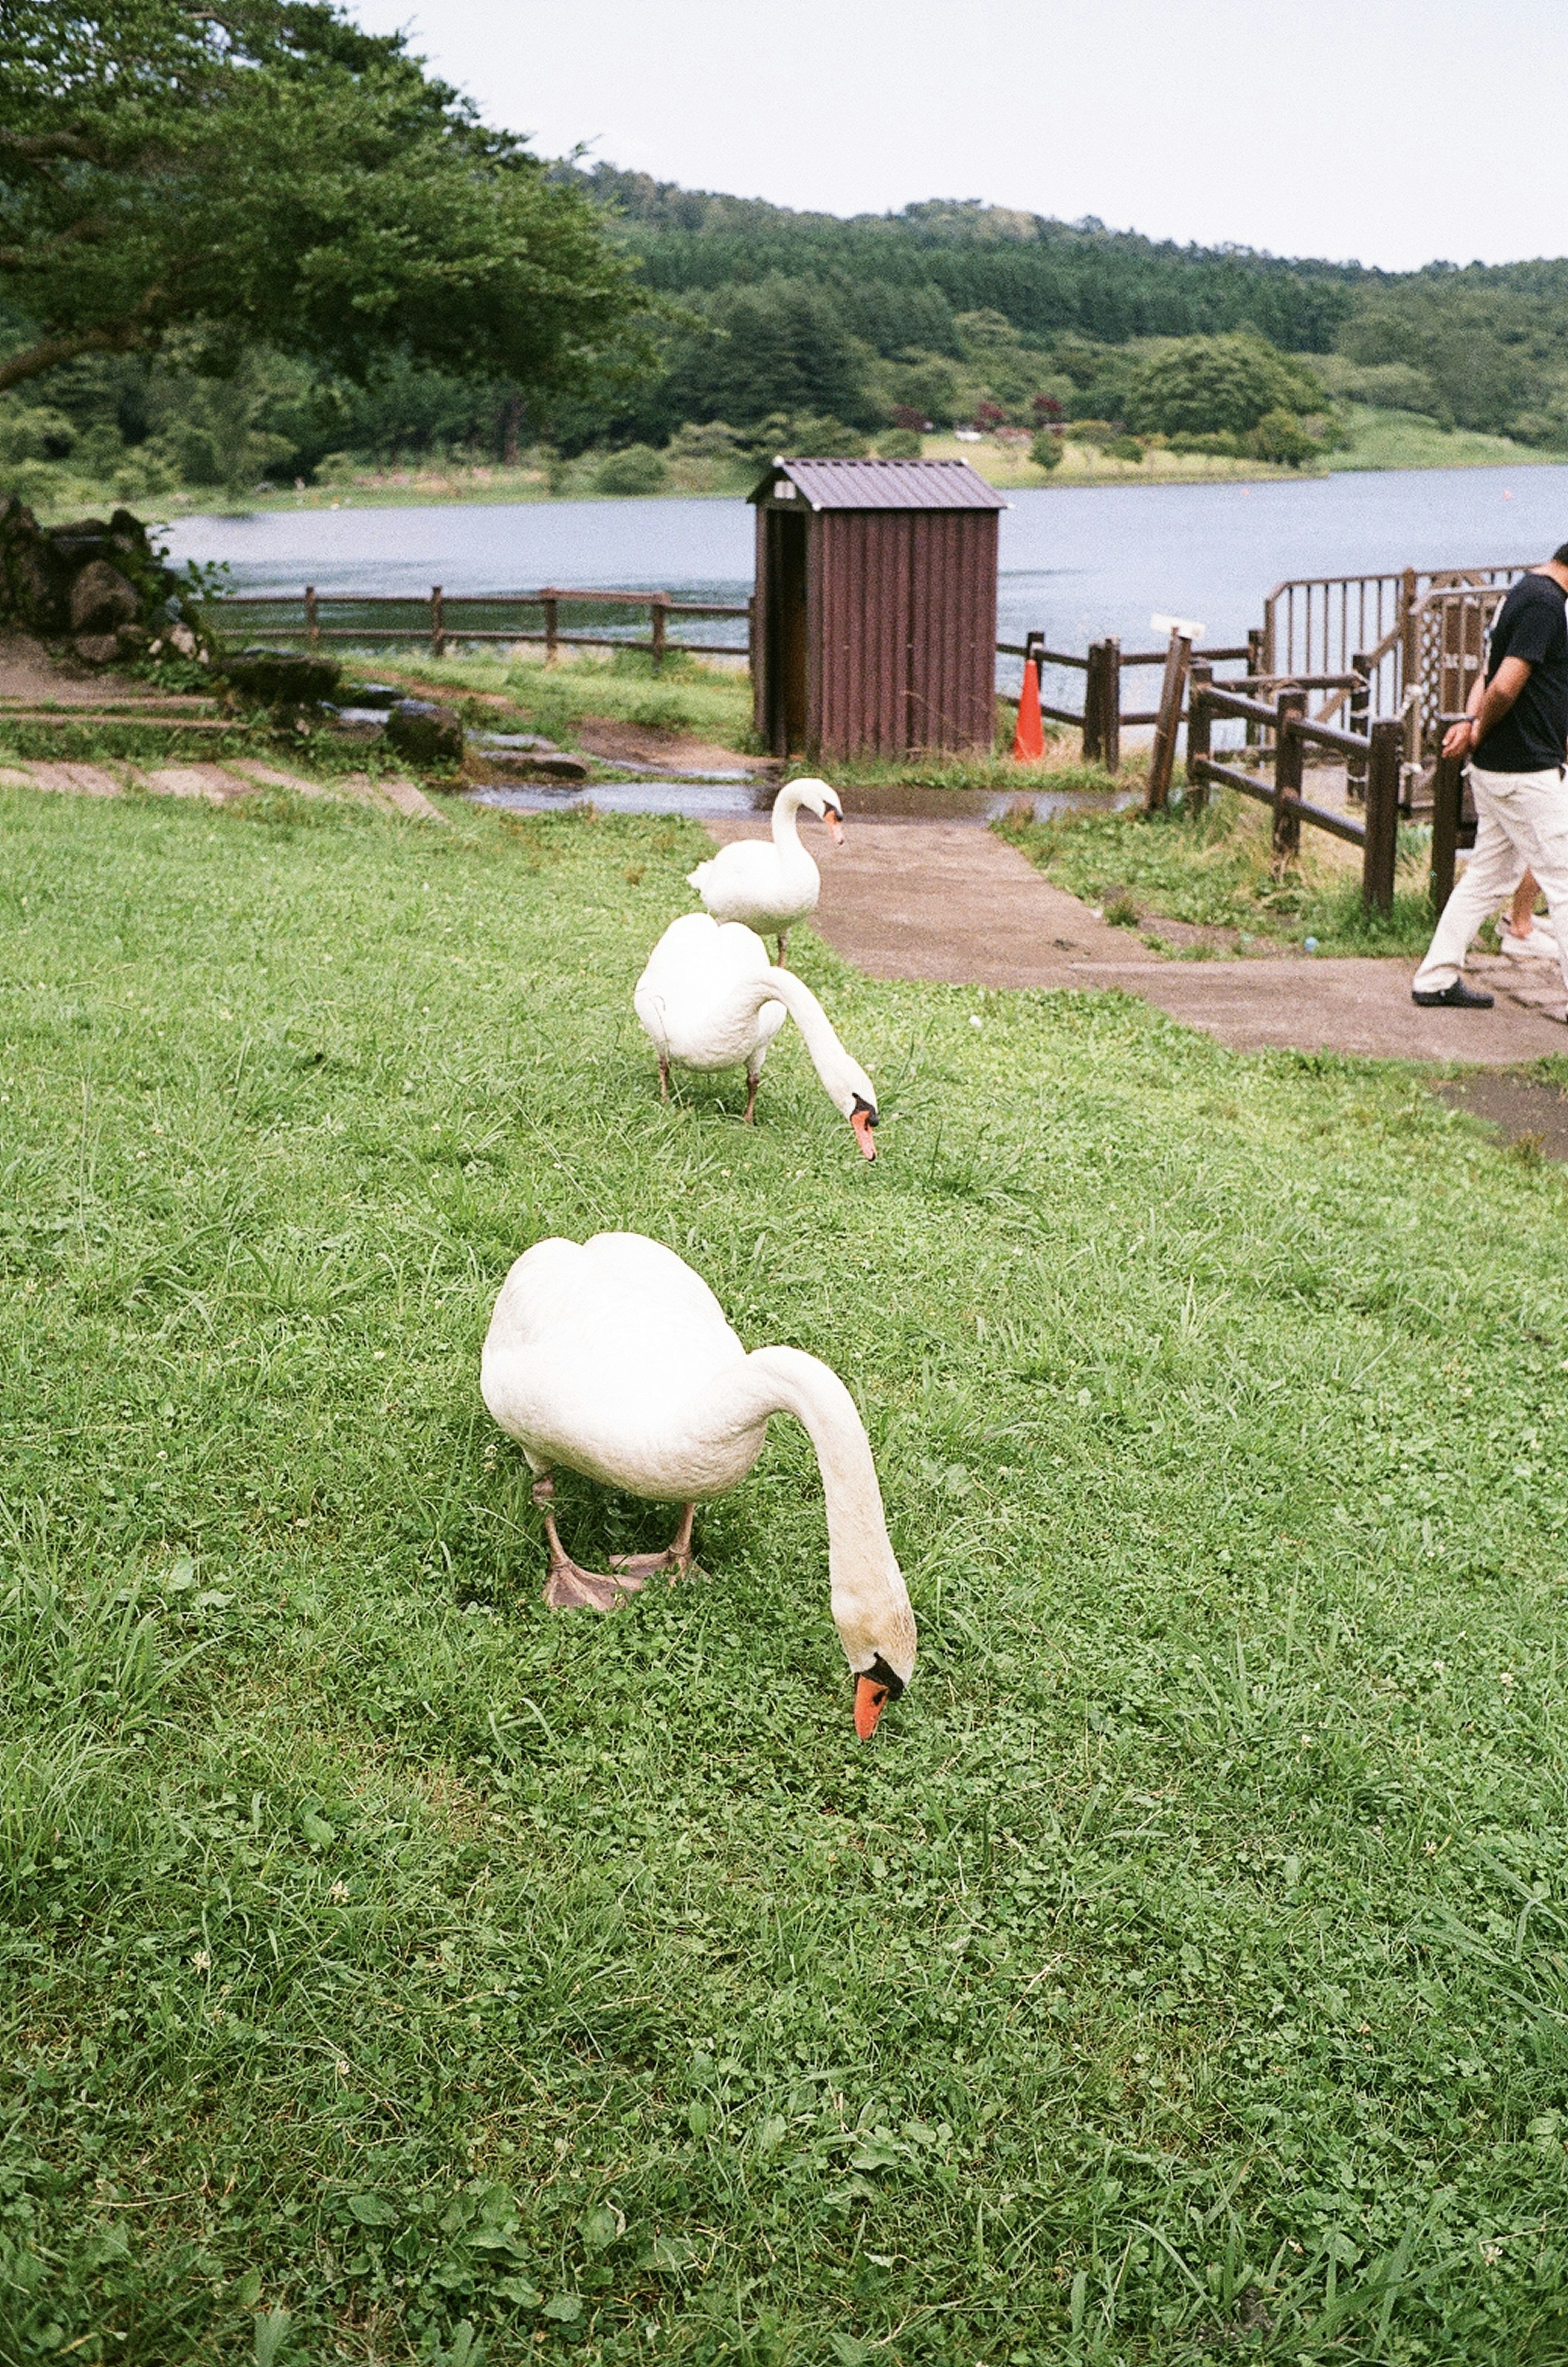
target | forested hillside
x=851, y=335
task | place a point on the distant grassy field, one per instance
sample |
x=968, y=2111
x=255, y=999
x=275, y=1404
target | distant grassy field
x=394, y=1972
x=1399, y=440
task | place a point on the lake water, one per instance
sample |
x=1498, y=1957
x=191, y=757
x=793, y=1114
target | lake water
x=1075, y=562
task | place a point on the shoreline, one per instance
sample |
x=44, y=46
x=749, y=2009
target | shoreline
x=1385, y=444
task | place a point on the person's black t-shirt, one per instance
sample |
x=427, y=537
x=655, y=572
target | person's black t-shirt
x=1530, y=625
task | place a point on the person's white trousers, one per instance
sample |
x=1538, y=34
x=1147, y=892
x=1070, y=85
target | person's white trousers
x=1521, y=825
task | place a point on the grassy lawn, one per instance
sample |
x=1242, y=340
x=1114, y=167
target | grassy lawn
x=394, y=1969
x=1217, y=872
x=708, y=702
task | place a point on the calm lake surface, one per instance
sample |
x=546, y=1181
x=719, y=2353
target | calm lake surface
x=1076, y=563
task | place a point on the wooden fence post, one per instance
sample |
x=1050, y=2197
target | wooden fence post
x=1381, y=849
x=1448, y=804
x=751, y=636
x=550, y=603
x=1162, y=757
x=1111, y=713
x=1287, y=771
x=660, y=607
x=1257, y=662
x=1359, y=708
x=437, y=623
x=312, y=617
x=1409, y=631
x=1093, y=750
x=1199, y=733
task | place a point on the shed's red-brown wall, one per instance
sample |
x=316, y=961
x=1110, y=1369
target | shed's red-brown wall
x=901, y=629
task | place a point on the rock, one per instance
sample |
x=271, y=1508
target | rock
x=101, y=599
x=425, y=733
x=520, y=765
x=97, y=649
x=282, y=677
x=491, y=740
x=89, y=578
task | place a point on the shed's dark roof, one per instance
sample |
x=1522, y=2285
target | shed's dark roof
x=887, y=486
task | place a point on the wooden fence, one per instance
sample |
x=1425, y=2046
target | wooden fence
x=1377, y=753
x=447, y=621
x=1102, y=717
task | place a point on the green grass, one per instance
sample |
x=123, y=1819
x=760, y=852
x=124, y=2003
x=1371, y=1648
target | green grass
x=1402, y=439
x=392, y=1968
x=1216, y=870
x=705, y=701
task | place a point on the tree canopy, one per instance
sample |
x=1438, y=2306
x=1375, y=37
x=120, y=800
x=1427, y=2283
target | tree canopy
x=262, y=173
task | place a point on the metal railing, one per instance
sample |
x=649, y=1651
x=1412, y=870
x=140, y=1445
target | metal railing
x=447, y=621
x=1361, y=624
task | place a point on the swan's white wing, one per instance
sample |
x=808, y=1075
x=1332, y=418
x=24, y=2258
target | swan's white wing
x=753, y=881
x=686, y=996
x=593, y=1353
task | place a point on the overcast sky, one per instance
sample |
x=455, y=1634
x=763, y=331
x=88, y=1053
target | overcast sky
x=1389, y=132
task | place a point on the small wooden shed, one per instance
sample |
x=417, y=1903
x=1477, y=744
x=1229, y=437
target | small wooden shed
x=876, y=622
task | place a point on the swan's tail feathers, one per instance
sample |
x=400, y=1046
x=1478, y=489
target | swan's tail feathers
x=698, y=878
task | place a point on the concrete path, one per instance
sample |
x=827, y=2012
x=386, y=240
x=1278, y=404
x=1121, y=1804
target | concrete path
x=226, y=784
x=946, y=900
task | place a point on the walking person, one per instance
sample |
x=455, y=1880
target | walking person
x=1516, y=736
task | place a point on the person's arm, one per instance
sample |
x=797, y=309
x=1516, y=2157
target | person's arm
x=1486, y=705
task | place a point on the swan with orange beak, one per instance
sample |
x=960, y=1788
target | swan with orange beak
x=770, y=887
x=709, y=999
x=612, y=1358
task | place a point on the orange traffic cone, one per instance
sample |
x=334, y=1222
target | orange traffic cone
x=1029, y=739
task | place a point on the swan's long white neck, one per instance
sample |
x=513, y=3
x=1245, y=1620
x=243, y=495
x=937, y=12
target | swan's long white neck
x=829, y=1057
x=871, y=1604
x=787, y=805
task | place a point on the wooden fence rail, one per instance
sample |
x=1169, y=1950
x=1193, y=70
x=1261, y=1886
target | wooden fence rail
x=446, y=612
x=1293, y=730
x=1101, y=717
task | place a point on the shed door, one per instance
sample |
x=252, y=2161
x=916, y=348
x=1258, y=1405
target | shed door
x=787, y=630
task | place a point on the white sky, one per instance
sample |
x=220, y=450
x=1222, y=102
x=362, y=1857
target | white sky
x=1389, y=132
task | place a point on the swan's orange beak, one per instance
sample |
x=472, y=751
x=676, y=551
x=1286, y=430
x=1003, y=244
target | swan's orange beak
x=834, y=828
x=869, y=1701
x=862, y=1125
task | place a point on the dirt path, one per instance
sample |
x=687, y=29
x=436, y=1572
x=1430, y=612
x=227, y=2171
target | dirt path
x=947, y=901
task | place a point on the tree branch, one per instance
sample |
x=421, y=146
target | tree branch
x=51, y=143
x=122, y=339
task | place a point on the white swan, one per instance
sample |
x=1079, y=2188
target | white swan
x=770, y=887
x=614, y=1358
x=708, y=1000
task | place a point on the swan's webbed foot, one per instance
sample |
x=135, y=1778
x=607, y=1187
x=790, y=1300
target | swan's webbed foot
x=569, y=1587
x=677, y=1558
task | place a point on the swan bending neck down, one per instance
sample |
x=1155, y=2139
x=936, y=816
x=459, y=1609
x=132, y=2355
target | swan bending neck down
x=708, y=1000
x=613, y=1358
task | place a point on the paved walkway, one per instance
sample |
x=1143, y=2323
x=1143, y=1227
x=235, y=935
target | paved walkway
x=225, y=784
x=946, y=900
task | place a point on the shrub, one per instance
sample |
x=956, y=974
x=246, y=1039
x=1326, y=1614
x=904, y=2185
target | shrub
x=1046, y=449
x=637, y=470
x=1124, y=447
x=1279, y=436
x=899, y=444
x=1199, y=386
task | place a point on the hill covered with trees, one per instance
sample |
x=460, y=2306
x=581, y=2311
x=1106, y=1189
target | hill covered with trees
x=775, y=326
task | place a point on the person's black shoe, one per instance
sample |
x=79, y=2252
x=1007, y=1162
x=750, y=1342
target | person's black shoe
x=1459, y=997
